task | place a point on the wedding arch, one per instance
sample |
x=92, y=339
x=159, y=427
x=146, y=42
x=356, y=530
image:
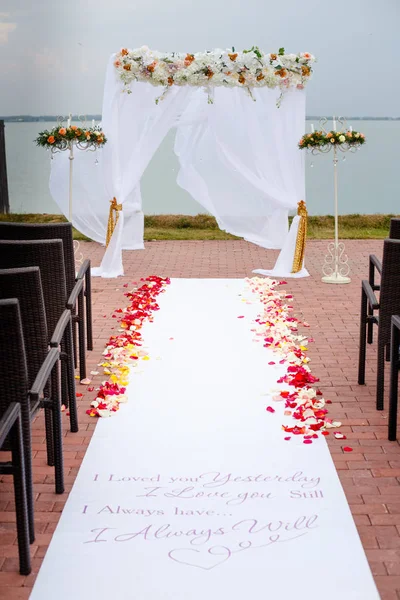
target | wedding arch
x=238, y=118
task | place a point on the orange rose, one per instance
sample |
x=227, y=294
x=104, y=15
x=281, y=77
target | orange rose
x=241, y=78
x=100, y=139
x=124, y=51
x=151, y=68
x=233, y=57
x=62, y=131
x=51, y=139
x=329, y=135
x=73, y=127
x=78, y=132
x=170, y=81
x=260, y=77
x=273, y=56
x=281, y=72
x=117, y=64
x=127, y=67
x=189, y=59
x=305, y=71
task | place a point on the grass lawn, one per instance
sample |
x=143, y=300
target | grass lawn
x=204, y=227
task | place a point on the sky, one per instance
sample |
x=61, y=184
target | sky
x=53, y=54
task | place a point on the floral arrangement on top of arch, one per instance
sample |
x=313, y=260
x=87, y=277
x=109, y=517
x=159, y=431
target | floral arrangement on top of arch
x=248, y=69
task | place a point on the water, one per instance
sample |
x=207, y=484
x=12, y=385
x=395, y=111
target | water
x=369, y=181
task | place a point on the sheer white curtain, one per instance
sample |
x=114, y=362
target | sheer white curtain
x=238, y=157
x=135, y=126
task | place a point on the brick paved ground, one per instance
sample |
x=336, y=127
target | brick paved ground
x=370, y=474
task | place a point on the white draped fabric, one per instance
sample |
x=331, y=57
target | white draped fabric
x=238, y=158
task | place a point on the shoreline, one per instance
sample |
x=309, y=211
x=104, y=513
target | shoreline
x=204, y=227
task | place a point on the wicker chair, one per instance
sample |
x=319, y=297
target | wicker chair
x=394, y=377
x=25, y=285
x=63, y=231
x=14, y=387
x=11, y=403
x=375, y=267
x=48, y=256
x=387, y=305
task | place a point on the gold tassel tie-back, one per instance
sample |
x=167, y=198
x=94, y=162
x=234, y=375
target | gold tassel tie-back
x=112, y=219
x=301, y=238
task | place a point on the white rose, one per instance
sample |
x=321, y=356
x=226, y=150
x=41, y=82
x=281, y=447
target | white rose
x=342, y=138
x=357, y=135
x=332, y=140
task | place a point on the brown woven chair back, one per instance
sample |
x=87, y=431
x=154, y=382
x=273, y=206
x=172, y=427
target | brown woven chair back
x=48, y=256
x=45, y=231
x=394, y=231
x=14, y=380
x=390, y=288
x=25, y=284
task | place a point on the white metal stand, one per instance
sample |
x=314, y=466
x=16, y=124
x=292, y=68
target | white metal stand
x=336, y=267
x=69, y=145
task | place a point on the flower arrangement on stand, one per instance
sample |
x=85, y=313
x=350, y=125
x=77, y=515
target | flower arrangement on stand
x=316, y=139
x=229, y=68
x=60, y=137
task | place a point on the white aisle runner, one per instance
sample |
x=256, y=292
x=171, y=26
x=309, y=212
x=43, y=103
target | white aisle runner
x=190, y=492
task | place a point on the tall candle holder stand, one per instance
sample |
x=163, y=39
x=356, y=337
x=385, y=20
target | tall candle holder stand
x=68, y=146
x=336, y=267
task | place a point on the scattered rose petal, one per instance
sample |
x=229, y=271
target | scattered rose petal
x=94, y=372
x=270, y=409
x=347, y=449
x=339, y=436
x=90, y=389
x=287, y=438
x=241, y=317
x=325, y=432
x=307, y=441
x=63, y=407
x=86, y=381
x=78, y=395
x=271, y=363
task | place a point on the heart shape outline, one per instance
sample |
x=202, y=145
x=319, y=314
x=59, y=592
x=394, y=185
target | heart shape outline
x=226, y=556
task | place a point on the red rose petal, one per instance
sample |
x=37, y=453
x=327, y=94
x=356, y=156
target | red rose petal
x=78, y=395
x=347, y=449
x=307, y=441
x=271, y=363
x=287, y=439
x=241, y=317
x=325, y=432
x=270, y=409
